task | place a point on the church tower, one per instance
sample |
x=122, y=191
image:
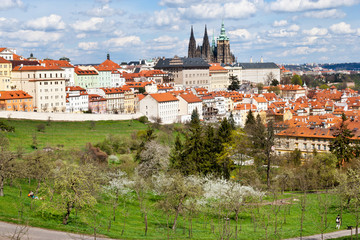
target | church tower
x=192, y=45
x=205, y=50
x=223, y=47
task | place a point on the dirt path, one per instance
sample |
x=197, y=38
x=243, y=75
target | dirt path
x=14, y=231
x=332, y=235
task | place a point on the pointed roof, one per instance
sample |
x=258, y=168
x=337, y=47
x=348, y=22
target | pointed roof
x=222, y=35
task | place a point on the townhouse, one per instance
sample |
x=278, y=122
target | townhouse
x=45, y=84
x=5, y=74
x=77, y=100
x=16, y=101
x=160, y=106
x=188, y=103
x=86, y=77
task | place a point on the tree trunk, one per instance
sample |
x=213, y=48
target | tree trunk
x=146, y=222
x=68, y=211
x=2, y=179
x=268, y=172
x=177, y=213
x=236, y=224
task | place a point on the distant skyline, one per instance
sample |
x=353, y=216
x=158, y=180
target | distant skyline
x=281, y=31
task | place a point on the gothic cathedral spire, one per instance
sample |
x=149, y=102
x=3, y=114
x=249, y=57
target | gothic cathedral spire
x=192, y=45
x=205, y=53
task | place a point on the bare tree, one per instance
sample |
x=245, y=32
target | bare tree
x=7, y=159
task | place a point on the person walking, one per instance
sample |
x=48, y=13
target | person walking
x=338, y=221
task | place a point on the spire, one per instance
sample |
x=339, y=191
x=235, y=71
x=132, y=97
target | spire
x=205, y=50
x=222, y=32
x=108, y=56
x=192, y=44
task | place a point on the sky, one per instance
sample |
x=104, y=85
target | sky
x=280, y=31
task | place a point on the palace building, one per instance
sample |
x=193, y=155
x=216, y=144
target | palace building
x=219, y=51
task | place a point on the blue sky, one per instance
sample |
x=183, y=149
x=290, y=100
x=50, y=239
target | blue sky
x=282, y=31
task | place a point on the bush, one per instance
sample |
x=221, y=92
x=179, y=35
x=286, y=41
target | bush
x=143, y=119
x=40, y=127
x=6, y=128
x=113, y=159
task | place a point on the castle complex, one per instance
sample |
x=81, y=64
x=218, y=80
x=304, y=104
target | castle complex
x=215, y=53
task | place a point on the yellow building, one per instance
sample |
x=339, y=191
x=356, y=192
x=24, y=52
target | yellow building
x=5, y=74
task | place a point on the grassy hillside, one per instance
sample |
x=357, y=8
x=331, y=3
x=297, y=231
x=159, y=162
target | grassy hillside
x=69, y=134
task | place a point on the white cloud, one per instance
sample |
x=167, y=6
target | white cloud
x=81, y=35
x=280, y=23
x=358, y=32
x=316, y=31
x=52, y=22
x=303, y=51
x=88, y=45
x=123, y=41
x=165, y=17
x=93, y=24
x=166, y=39
x=294, y=28
x=209, y=10
x=241, y=33
x=6, y=4
x=35, y=36
x=103, y=11
x=303, y=5
x=8, y=23
x=281, y=33
x=341, y=28
x=331, y=13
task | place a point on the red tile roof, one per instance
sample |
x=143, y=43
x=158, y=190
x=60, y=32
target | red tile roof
x=58, y=63
x=164, y=97
x=3, y=60
x=4, y=95
x=109, y=64
x=35, y=68
x=190, y=98
x=79, y=71
x=75, y=88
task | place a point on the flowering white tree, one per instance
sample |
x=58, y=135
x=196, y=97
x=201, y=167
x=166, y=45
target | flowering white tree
x=153, y=159
x=119, y=187
x=175, y=190
x=229, y=196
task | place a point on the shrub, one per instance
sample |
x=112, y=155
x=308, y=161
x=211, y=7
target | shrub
x=113, y=159
x=143, y=119
x=40, y=127
x=6, y=128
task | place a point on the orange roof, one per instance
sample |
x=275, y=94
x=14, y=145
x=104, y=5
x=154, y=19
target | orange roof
x=58, y=63
x=17, y=57
x=245, y=106
x=109, y=64
x=79, y=71
x=76, y=88
x=260, y=99
x=3, y=60
x=35, y=68
x=291, y=87
x=164, y=97
x=2, y=49
x=190, y=98
x=216, y=67
x=140, y=96
x=4, y=95
x=96, y=98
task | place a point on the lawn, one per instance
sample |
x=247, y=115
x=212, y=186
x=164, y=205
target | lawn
x=70, y=135
x=14, y=208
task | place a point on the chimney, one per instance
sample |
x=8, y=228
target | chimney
x=251, y=60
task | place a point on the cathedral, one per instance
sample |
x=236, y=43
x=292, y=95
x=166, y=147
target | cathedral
x=219, y=52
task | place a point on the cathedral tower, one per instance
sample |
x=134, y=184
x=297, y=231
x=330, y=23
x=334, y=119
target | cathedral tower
x=205, y=50
x=192, y=45
x=223, y=47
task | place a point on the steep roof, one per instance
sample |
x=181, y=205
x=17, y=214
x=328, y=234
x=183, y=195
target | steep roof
x=190, y=98
x=35, y=68
x=164, y=97
x=109, y=64
x=217, y=67
x=268, y=65
x=5, y=95
x=3, y=60
x=181, y=62
x=79, y=71
x=58, y=63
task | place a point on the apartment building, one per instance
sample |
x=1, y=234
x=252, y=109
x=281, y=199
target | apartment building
x=16, y=101
x=5, y=74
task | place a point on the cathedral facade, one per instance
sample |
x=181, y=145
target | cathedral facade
x=219, y=51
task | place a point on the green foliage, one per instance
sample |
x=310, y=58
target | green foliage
x=296, y=80
x=6, y=128
x=274, y=89
x=340, y=146
x=274, y=82
x=41, y=127
x=295, y=157
x=324, y=86
x=114, y=144
x=234, y=83
x=142, y=90
x=250, y=120
x=195, y=118
x=143, y=119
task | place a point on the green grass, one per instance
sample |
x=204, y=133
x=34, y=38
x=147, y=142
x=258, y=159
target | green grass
x=12, y=203
x=72, y=135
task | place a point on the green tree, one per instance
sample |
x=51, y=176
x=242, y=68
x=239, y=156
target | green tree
x=274, y=82
x=232, y=121
x=234, y=83
x=74, y=186
x=296, y=80
x=142, y=90
x=65, y=59
x=195, y=118
x=341, y=146
x=250, y=120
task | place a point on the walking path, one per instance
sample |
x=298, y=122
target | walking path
x=331, y=235
x=14, y=231
x=76, y=117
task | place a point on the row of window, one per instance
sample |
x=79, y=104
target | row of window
x=197, y=82
x=52, y=97
x=46, y=75
x=55, y=90
x=5, y=73
x=196, y=75
x=20, y=100
x=51, y=83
